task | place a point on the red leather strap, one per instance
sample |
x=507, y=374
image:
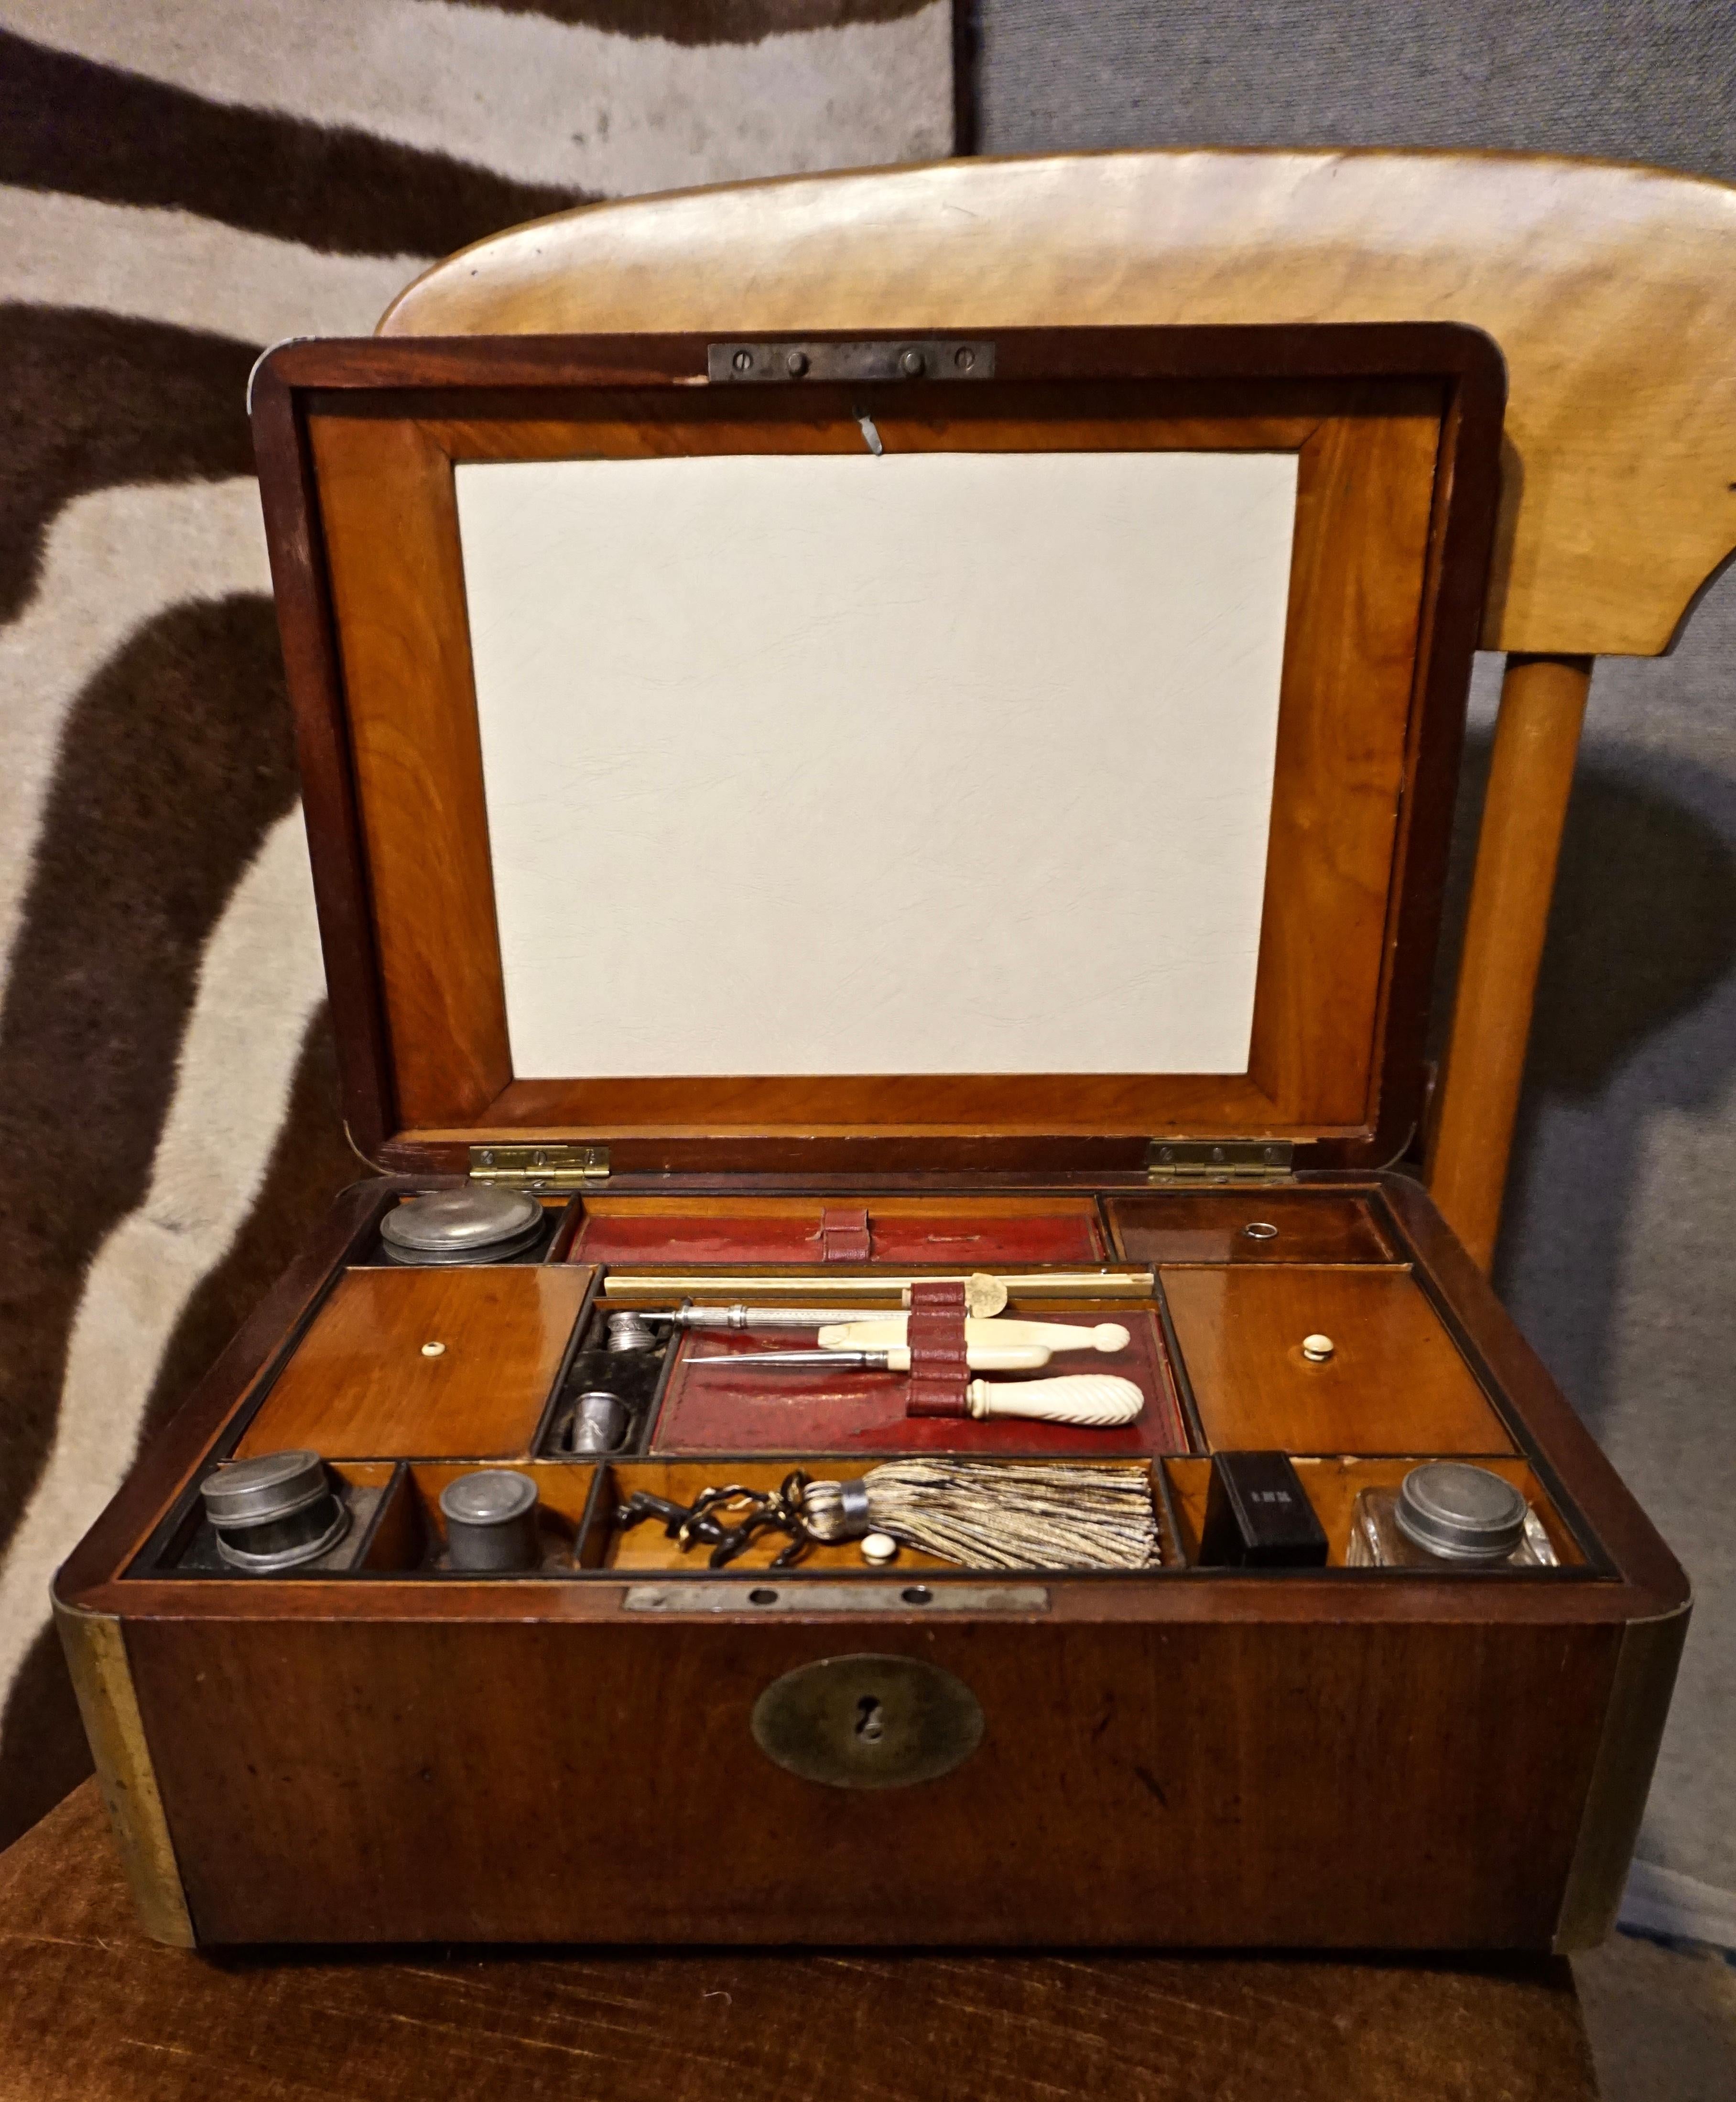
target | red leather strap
x=940, y=1373
x=844, y=1236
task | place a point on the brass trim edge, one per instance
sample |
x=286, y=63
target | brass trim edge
x=103, y=1680
x=1639, y=1704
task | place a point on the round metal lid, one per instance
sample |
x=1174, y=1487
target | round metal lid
x=460, y=1221
x=1465, y=1513
x=495, y=1498
x=275, y=1485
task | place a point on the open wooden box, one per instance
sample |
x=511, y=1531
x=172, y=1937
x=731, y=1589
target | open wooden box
x=821, y=814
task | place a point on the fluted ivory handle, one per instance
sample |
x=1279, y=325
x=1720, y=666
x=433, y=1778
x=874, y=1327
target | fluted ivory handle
x=1096, y=1401
x=888, y=1332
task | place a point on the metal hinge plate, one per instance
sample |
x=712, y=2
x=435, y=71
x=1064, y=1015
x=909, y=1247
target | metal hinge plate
x=1219, y=1160
x=540, y=1167
x=911, y=357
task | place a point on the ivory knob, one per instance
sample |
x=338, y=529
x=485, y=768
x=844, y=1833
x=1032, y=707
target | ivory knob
x=1318, y=1349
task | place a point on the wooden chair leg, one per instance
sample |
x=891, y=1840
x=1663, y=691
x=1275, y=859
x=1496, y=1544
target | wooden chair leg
x=1531, y=776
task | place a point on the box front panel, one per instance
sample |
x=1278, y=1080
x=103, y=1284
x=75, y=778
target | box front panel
x=1180, y=1785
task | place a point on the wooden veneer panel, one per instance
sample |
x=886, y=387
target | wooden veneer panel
x=1213, y=1227
x=1395, y=1383
x=523, y=1779
x=359, y=1385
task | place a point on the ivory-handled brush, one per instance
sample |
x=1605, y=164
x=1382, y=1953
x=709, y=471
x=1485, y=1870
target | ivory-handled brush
x=1092, y=1401
x=997, y=1514
x=877, y=1333
x=894, y=1358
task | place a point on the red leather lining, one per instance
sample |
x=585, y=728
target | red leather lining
x=946, y=1230
x=795, y=1414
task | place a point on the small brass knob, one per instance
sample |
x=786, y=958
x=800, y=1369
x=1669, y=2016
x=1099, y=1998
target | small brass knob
x=1318, y=1349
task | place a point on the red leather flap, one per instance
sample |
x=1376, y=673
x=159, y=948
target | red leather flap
x=844, y=1236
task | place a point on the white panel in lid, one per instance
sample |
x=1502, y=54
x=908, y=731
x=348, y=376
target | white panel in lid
x=931, y=763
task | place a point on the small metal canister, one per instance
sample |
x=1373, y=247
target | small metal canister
x=491, y=1521
x=598, y=1422
x=462, y=1225
x=275, y=1511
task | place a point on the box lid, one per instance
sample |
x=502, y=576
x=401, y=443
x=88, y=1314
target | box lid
x=909, y=754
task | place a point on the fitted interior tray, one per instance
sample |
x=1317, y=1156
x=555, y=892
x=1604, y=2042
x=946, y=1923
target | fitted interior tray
x=707, y=1409
x=401, y=1378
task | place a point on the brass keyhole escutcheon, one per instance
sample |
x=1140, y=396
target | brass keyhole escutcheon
x=868, y=1721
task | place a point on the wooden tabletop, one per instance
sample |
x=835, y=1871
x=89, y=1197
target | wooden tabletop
x=92, y=2011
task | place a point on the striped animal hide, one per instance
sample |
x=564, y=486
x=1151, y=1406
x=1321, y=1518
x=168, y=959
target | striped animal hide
x=183, y=182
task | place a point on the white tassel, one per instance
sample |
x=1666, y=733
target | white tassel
x=1000, y=1514
x=1094, y=1401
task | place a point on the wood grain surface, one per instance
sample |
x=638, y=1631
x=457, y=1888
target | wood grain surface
x=94, y=2012
x=1395, y=1383
x=535, y=1777
x=1610, y=291
x=390, y=520
x=1525, y=809
x=360, y=1386
x=1211, y=1225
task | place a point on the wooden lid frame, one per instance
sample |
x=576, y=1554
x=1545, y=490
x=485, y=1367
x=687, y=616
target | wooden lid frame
x=1397, y=429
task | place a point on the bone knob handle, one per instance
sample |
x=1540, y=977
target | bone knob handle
x=1107, y=1336
x=1096, y=1401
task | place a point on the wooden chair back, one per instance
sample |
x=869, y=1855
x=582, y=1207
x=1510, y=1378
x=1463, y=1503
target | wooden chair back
x=1610, y=290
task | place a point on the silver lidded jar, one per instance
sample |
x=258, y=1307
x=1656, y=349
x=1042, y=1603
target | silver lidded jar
x=491, y=1521
x=275, y=1511
x=473, y=1224
x=1447, y=1515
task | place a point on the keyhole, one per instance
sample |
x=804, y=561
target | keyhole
x=870, y=1725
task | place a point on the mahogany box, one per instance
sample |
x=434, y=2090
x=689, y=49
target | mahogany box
x=822, y=820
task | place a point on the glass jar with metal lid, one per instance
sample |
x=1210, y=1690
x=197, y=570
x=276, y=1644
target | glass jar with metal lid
x=1447, y=1515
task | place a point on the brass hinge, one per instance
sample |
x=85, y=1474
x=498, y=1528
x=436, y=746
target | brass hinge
x=540, y=1167
x=1219, y=1160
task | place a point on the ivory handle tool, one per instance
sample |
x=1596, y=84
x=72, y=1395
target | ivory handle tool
x=895, y=1357
x=875, y=1334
